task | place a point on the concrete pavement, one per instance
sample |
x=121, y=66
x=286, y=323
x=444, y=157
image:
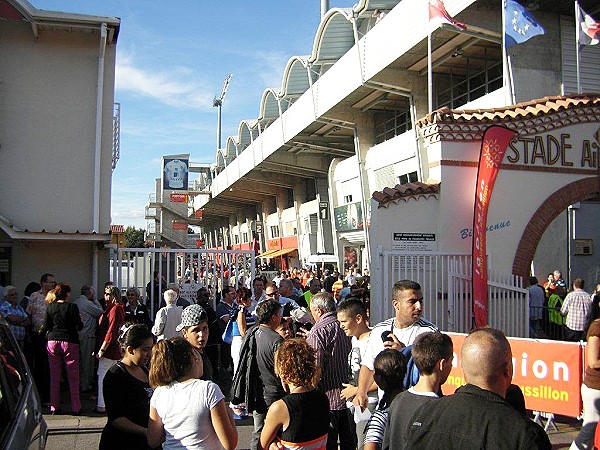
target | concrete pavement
x=83, y=432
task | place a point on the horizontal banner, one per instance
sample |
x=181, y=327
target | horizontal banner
x=548, y=372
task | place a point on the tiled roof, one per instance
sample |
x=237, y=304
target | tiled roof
x=117, y=229
x=406, y=192
x=523, y=110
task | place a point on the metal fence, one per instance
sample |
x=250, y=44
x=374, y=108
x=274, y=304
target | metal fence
x=190, y=269
x=447, y=290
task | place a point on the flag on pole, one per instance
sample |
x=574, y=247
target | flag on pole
x=519, y=24
x=493, y=147
x=589, y=29
x=438, y=15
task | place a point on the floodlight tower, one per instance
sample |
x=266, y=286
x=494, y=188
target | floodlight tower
x=218, y=102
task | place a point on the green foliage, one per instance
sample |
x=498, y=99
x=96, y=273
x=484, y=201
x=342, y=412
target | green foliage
x=134, y=237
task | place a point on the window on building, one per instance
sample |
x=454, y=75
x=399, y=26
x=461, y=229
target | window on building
x=408, y=178
x=348, y=198
x=468, y=74
x=389, y=124
x=274, y=231
x=244, y=237
x=236, y=239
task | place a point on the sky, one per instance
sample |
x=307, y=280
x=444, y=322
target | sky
x=172, y=59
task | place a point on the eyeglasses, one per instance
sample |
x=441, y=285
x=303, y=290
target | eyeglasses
x=272, y=294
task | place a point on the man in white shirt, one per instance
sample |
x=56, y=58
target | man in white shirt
x=352, y=316
x=395, y=333
x=90, y=310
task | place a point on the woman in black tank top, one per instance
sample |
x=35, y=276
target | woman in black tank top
x=301, y=419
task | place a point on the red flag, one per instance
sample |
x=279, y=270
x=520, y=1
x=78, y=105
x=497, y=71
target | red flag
x=438, y=15
x=589, y=29
x=493, y=147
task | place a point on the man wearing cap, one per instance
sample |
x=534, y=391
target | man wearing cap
x=194, y=329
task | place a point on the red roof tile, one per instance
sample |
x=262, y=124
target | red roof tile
x=117, y=229
x=405, y=192
x=523, y=110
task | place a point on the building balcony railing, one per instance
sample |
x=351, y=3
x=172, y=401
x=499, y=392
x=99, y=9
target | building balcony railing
x=151, y=213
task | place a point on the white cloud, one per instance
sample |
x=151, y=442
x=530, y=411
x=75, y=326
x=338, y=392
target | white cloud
x=129, y=214
x=270, y=68
x=173, y=88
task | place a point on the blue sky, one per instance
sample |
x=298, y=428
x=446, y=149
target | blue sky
x=172, y=58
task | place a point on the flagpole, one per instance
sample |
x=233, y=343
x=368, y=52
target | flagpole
x=504, y=55
x=429, y=70
x=577, y=26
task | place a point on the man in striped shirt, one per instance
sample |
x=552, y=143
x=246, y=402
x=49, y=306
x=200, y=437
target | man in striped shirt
x=395, y=333
x=332, y=347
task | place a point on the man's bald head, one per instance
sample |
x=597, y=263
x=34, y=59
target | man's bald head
x=486, y=360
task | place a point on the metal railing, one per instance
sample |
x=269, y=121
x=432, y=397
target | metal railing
x=447, y=291
x=190, y=269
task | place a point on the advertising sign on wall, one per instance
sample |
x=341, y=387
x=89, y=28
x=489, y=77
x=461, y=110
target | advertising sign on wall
x=348, y=217
x=548, y=373
x=177, y=197
x=178, y=225
x=175, y=171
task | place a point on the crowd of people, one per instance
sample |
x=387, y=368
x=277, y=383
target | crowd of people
x=297, y=353
x=559, y=313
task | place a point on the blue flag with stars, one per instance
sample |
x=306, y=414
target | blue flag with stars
x=520, y=25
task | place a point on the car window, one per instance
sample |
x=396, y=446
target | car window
x=12, y=379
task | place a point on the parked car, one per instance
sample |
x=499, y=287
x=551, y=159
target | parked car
x=22, y=425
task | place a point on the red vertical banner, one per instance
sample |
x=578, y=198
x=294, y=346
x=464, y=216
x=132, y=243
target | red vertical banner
x=493, y=147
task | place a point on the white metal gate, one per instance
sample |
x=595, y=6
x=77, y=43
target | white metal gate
x=190, y=269
x=508, y=302
x=447, y=289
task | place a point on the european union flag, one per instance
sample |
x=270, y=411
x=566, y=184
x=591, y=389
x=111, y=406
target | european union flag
x=520, y=25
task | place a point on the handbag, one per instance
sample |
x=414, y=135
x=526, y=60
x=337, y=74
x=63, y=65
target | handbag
x=228, y=333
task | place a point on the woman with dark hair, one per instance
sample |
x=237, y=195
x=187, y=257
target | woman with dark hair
x=127, y=392
x=109, y=325
x=186, y=412
x=390, y=369
x=300, y=420
x=62, y=322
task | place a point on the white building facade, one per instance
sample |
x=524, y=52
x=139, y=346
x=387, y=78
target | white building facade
x=59, y=140
x=343, y=125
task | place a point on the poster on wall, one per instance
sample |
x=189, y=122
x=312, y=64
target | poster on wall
x=414, y=242
x=350, y=257
x=175, y=171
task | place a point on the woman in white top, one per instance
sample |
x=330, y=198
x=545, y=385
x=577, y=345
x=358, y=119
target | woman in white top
x=168, y=317
x=186, y=412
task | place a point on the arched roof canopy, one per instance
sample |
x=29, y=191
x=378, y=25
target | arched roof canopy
x=230, y=149
x=219, y=160
x=372, y=5
x=245, y=135
x=335, y=36
x=296, y=76
x=269, y=105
